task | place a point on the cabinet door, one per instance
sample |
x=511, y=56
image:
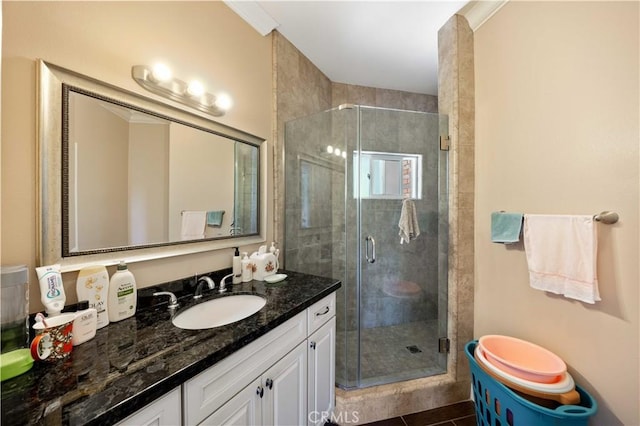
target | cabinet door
x=244, y=409
x=163, y=411
x=285, y=393
x=209, y=390
x=321, y=380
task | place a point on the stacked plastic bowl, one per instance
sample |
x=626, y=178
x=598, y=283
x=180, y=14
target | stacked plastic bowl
x=527, y=368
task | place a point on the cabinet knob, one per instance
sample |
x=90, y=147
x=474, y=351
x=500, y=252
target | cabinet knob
x=260, y=391
x=312, y=345
x=269, y=383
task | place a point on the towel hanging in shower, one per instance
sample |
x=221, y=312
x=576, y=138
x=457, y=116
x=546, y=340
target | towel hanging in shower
x=409, y=228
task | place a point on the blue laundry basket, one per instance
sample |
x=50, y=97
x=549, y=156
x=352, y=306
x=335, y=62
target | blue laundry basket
x=497, y=405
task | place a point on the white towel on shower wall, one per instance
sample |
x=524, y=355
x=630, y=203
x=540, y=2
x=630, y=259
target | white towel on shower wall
x=561, y=255
x=193, y=224
x=409, y=229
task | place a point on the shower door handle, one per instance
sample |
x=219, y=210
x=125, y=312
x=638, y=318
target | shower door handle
x=372, y=258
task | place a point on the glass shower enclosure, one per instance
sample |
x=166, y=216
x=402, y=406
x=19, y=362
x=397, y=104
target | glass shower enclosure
x=348, y=171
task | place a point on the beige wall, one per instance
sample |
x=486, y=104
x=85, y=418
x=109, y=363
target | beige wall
x=103, y=40
x=98, y=138
x=557, y=132
x=148, y=183
x=198, y=159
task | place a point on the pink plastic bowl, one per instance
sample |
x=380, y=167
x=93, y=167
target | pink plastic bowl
x=522, y=359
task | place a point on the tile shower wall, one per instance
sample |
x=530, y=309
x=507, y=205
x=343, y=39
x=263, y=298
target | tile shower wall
x=313, y=182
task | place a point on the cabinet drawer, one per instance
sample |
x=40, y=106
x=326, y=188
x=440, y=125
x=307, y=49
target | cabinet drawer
x=320, y=312
x=209, y=390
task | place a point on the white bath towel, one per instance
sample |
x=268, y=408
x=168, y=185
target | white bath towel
x=561, y=255
x=193, y=224
x=409, y=228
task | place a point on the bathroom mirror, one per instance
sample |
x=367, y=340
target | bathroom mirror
x=121, y=172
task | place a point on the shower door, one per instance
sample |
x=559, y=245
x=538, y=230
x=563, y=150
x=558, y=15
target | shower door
x=347, y=171
x=402, y=284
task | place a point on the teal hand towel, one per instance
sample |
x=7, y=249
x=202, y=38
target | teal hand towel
x=506, y=227
x=214, y=218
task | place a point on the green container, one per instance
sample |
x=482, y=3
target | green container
x=15, y=363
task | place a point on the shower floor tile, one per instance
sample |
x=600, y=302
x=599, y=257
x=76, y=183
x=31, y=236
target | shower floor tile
x=392, y=353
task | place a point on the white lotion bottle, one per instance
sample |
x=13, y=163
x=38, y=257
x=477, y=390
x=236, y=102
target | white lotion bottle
x=122, y=294
x=93, y=285
x=247, y=268
x=85, y=324
x=237, y=268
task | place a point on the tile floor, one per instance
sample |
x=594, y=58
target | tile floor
x=459, y=414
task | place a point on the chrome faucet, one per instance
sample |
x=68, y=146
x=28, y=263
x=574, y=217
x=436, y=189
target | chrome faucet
x=173, y=300
x=201, y=281
x=223, y=286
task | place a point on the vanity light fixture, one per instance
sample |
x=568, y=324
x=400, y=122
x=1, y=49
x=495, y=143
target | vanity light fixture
x=335, y=151
x=160, y=81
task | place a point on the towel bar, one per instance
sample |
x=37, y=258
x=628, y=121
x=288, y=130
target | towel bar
x=606, y=217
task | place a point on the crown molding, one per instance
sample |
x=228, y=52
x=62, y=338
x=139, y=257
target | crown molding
x=479, y=12
x=254, y=15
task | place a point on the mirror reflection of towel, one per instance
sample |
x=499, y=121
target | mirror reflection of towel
x=409, y=228
x=192, y=224
x=214, y=218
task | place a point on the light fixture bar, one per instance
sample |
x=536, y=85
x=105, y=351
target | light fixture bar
x=176, y=90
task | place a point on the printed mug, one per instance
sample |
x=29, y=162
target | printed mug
x=53, y=339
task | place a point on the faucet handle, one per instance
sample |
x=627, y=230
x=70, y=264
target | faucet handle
x=173, y=300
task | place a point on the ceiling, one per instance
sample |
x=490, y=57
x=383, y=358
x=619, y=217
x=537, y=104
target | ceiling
x=382, y=44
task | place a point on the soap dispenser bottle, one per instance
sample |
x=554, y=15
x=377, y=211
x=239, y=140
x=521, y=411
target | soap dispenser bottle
x=237, y=268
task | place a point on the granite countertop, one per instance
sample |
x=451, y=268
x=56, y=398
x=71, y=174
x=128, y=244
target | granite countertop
x=132, y=362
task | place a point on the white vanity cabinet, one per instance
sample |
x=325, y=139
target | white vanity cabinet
x=163, y=411
x=278, y=397
x=285, y=377
x=321, y=360
x=321, y=373
x=285, y=390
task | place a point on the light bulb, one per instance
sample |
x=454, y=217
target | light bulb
x=160, y=73
x=195, y=89
x=224, y=102
x=329, y=149
x=344, y=154
x=337, y=152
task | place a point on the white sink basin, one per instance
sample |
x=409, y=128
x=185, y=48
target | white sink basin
x=220, y=311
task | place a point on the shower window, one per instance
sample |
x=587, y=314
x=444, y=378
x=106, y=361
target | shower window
x=387, y=175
